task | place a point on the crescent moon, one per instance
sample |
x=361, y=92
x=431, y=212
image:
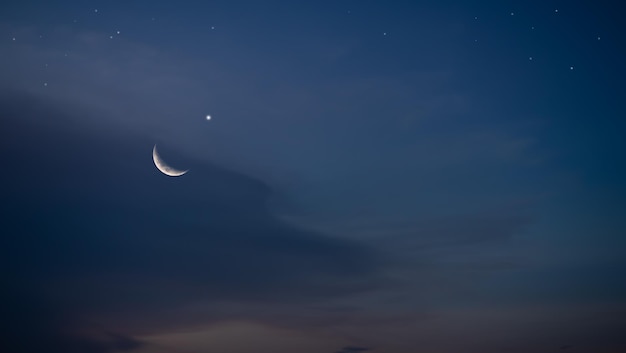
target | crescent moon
x=164, y=168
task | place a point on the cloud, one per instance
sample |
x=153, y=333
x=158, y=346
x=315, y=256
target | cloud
x=31, y=323
x=71, y=344
x=93, y=230
x=351, y=349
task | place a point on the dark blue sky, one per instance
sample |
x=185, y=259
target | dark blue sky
x=376, y=176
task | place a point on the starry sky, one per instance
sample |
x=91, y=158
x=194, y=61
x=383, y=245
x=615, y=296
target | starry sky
x=375, y=176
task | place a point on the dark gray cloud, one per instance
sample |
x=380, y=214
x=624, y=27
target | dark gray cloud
x=93, y=227
x=31, y=323
x=59, y=343
x=351, y=349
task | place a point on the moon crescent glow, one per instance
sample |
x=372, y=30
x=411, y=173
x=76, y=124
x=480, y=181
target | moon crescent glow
x=164, y=168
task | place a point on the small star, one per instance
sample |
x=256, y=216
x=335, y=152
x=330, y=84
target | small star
x=208, y=117
x=571, y=68
x=13, y=38
x=65, y=54
x=212, y=27
x=512, y=13
x=349, y=11
x=153, y=18
x=476, y=17
x=46, y=65
x=556, y=11
x=96, y=10
x=598, y=38
x=75, y=21
x=530, y=58
x=110, y=37
x=533, y=27
x=476, y=40
x=45, y=84
x=384, y=33
x=118, y=32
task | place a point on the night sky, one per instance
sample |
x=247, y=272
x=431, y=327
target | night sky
x=375, y=176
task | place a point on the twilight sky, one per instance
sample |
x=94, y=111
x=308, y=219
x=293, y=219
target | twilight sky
x=376, y=176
